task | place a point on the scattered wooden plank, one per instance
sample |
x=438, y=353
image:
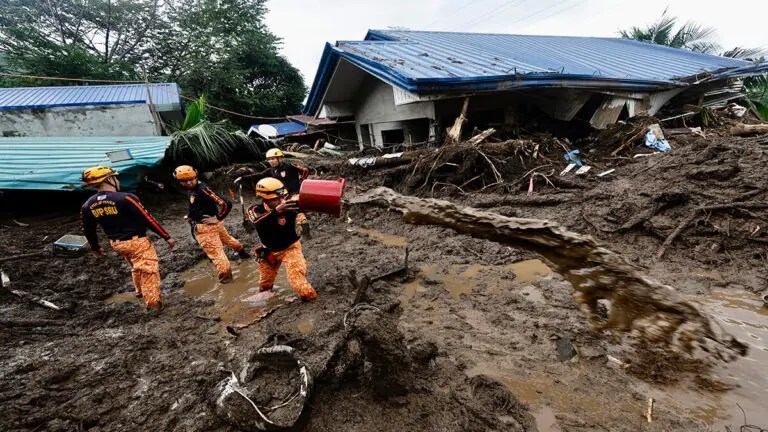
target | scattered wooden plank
x=454, y=133
x=746, y=130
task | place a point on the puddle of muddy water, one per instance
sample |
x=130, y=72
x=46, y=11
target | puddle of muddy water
x=548, y=398
x=238, y=302
x=305, y=326
x=529, y=270
x=545, y=420
x=383, y=238
x=123, y=297
x=743, y=315
x=459, y=279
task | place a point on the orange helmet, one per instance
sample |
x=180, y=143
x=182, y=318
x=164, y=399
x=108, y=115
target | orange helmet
x=184, y=172
x=97, y=174
x=269, y=188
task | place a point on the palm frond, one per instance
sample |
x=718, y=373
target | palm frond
x=744, y=53
x=756, y=89
x=196, y=113
x=206, y=143
x=665, y=31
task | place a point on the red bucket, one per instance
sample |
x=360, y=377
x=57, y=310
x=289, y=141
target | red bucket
x=322, y=196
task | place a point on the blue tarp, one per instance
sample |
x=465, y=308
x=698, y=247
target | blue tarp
x=283, y=129
x=56, y=163
x=425, y=62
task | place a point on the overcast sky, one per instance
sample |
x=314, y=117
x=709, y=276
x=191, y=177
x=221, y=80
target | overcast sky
x=306, y=25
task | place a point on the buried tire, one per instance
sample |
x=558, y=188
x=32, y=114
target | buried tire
x=271, y=393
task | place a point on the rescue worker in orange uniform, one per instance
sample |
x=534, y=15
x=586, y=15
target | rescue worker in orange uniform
x=290, y=174
x=125, y=221
x=206, y=214
x=275, y=221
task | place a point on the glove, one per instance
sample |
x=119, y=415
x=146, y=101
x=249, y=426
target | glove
x=263, y=253
x=304, y=230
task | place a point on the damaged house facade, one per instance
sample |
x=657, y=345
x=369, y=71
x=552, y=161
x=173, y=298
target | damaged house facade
x=406, y=87
x=48, y=135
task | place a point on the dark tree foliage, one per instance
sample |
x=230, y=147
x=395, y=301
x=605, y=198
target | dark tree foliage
x=218, y=48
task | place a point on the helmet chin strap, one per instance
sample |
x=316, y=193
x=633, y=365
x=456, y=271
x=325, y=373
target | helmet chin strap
x=112, y=181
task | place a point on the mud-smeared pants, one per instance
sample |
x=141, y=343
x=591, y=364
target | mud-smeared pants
x=212, y=237
x=141, y=254
x=301, y=222
x=295, y=266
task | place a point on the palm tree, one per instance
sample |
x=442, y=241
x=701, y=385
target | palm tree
x=691, y=35
x=205, y=143
x=665, y=31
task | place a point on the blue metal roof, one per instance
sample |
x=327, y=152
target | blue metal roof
x=289, y=128
x=427, y=62
x=53, y=163
x=165, y=96
x=283, y=129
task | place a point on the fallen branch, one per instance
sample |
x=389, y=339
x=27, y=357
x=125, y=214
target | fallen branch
x=477, y=139
x=31, y=323
x=362, y=284
x=33, y=299
x=687, y=221
x=23, y=256
x=524, y=200
x=649, y=412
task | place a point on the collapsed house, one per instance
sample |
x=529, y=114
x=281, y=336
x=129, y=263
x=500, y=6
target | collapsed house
x=406, y=87
x=50, y=134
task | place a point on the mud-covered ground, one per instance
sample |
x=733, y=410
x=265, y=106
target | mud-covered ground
x=478, y=336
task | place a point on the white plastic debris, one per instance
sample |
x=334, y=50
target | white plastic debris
x=392, y=155
x=567, y=169
x=583, y=170
x=605, y=173
x=736, y=110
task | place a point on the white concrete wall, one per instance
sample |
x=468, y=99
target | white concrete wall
x=375, y=105
x=107, y=120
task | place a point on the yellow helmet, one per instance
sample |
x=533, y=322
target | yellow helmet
x=275, y=152
x=97, y=174
x=184, y=172
x=269, y=188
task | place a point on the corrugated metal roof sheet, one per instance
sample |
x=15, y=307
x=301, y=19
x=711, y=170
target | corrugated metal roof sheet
x=435, y=55
x=56, y=163
x=311, y=121
x=427, y=62
x=276, y=130
x=165, y=96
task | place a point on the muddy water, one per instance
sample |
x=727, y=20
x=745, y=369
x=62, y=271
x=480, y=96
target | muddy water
x=654, y=312
x=744, y=315
x=385, y=239
x=460, y=279
x=238, y=302
x=123, y=297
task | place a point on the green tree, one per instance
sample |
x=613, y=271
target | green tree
x=220, y=48
x=665, y=31
x=693, y=36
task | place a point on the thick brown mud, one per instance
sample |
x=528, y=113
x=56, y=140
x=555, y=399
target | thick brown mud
x=478, y=336
x=651, y=310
